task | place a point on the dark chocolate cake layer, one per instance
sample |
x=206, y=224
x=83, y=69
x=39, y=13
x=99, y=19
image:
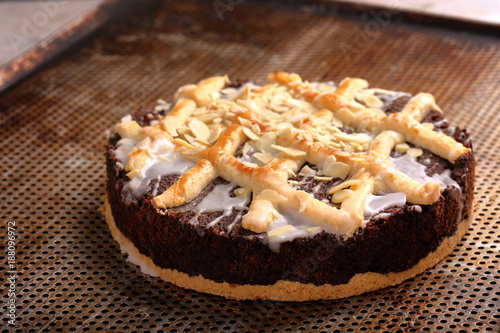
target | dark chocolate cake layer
x=393, y=243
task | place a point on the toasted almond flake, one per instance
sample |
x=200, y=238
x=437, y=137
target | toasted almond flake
x=250, y=134
x=170, y=124
x=290, y=182
x=298, y=118
x=256, y=128
x=246, y=148
x=304, y=199
x=120, y=165
x=133, y=173
x=228, y=91
x=162, y=107
x=329, y=160
x=163, y=158
x=415, y=152
x=215, y=131
x=337, y=122
x=313, y=229
x=357, y=147
x=280, y=231
x=264, y=158
x=245, y=122
x=208, y=117
x=357, y=138
x=380, y=185
x=345, y=115
x=336, y=170
x=182, y=143
x=326, y=179
x=193, y=151
x=428, y=125
x=306, y=170
x=342, y=195
x=348, y=148
x=242, y=192
x=334, y=145
x=199, y=129
x=214, y=95
x=369, y=100
x=126, y=119
x=250, y=164
x=271, y=195
x=346, y=184
x=191, y=139
x=289, y=151
x=402, y=148
x=244, y=92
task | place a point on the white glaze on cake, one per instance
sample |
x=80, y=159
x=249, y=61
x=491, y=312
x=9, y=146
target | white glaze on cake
x=409, y=166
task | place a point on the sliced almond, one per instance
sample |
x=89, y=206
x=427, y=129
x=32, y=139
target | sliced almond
x=163, y=158
x=250, y=134
x=264, y=158
x=243, y=192
x=342, y=195
x=271, y=195
x=199, y=129
x=304, y=199
x=313, y=229
x=245, y=122
x=215, y=132
x=170, y=124
x=246, y=148
x=345, y=115
x=325, y=179
x=402, y=148
x=280, y=231
x=346, y=184
x=306, y=170
x=337, y=122
x=369, y=100
x=250, y=164
x=336, y=170
x=357, y=138
x=415, y=152
x=289, y=151
x=193, y=151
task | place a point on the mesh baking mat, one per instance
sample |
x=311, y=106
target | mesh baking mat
x=72, y=277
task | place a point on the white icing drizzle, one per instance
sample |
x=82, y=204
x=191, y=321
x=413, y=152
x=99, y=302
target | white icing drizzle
x=164, y=161
x=123, y=148
x=409, y=166
x=377, y=203
x=299, y=229
x=220, y=199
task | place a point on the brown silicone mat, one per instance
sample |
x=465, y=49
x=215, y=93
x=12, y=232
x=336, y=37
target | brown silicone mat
x=71, y=276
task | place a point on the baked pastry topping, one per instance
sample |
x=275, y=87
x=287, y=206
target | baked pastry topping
x=268, y=141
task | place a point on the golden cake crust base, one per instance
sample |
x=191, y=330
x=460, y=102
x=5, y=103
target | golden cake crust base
x=284, y=290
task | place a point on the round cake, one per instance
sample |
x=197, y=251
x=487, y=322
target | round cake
x=291, y=190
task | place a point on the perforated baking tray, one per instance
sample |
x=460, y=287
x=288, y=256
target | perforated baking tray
x=71, y=276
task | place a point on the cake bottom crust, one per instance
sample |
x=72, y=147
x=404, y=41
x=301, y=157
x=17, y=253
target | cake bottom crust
x=282, y=290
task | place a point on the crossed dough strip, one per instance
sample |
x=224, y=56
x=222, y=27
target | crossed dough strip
x=406, y=122
x=367, y=173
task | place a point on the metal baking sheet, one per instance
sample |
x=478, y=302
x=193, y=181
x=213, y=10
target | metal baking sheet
x=33, y=32
x=67, y=273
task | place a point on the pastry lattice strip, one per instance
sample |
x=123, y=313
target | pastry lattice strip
x=367, y=173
